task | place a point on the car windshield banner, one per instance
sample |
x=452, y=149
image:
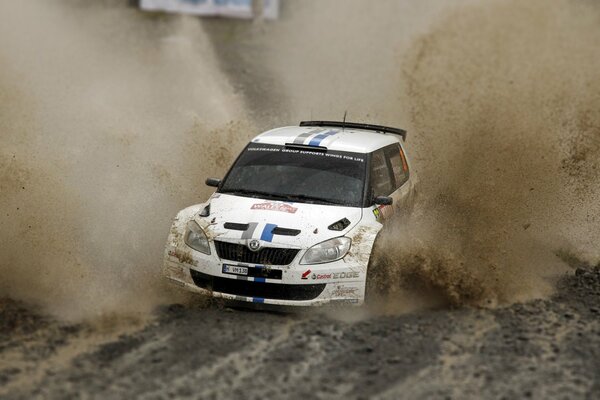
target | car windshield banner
x=220, y=8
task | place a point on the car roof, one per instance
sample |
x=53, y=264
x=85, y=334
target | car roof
x=347, y=139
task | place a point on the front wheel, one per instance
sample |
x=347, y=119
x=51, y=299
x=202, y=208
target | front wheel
x=378, y=283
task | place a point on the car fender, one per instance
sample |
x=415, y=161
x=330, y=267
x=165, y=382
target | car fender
x=178, y=225
x=363, y=239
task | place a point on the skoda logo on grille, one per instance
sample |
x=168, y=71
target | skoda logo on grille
x=254, y=245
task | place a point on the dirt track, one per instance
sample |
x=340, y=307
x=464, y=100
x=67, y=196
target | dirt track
x=542, y=349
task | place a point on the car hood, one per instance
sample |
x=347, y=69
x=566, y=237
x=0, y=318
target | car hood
x=229, y=214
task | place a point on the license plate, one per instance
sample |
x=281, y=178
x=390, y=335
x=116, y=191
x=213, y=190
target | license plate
x=235, y=269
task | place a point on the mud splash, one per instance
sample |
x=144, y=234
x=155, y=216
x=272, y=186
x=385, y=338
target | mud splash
x=500, y=99
x=503, y=109
x=106, y=117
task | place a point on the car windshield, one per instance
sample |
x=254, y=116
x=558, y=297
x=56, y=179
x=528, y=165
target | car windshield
x=298, y=175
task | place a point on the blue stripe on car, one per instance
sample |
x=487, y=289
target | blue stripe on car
x=258, y=300
x=259, y=280
x=316, y=141
x=301, y=138
x=267, y=233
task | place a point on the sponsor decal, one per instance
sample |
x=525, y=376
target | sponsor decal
x=377, y=214
x=184, y=258
x=306, y=274
x=345, y=275
x=336, y=275
x=383, y=212
x=269, y=206
x=344, y=291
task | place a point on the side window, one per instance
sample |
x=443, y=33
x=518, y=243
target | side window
x=382, y=183
x=399, y=165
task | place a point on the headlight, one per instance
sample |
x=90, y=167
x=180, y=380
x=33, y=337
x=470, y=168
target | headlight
x=330, y=250
x=196, y=238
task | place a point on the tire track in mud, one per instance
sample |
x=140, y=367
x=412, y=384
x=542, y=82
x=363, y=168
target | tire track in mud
x=33, y=346
x=458, y=349
x=230, y=374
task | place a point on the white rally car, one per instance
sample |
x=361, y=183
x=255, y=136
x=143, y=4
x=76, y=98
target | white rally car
x=295, y=219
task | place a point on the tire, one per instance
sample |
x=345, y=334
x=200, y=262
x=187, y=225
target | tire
x=377, y=285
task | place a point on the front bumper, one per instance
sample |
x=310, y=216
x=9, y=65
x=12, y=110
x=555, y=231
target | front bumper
x=342, y=281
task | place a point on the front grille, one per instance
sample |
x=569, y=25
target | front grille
x=239, y=287
x=266, y=255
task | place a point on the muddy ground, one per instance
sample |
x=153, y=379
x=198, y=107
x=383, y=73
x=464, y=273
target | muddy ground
x=541, y=349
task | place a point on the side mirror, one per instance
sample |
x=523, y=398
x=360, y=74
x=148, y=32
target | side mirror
x=383, y=200
x=214, y=182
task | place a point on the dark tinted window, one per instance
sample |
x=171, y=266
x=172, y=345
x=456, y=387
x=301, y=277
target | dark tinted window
x=398, y=163
x=278, y=172
x=381, y=180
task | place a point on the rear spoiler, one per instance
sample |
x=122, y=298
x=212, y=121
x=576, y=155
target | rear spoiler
x=369, y=127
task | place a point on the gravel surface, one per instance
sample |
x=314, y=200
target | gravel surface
x=541, y=349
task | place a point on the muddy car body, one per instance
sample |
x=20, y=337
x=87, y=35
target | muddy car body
x=295, y=219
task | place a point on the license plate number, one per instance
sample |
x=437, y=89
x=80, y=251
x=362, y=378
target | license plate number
x=235, y=269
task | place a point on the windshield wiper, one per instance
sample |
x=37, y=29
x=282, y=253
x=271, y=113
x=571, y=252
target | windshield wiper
x=254, y=193
x=280, y=196
x=305, y=197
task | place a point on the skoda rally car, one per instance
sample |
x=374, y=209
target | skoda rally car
x=295, y=219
